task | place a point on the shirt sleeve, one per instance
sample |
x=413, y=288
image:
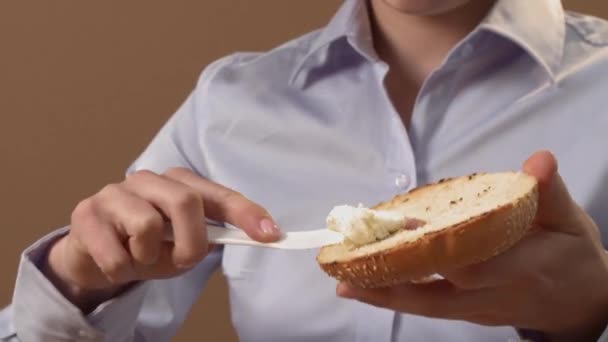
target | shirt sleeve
x=39, y=312
x=178, y=143
x=148, y=311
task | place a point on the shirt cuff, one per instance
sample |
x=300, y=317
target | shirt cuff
x=42, y=313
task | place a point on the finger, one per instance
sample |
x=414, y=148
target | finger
x=226, y=205
x=136, y=219
x=556, y=208
x=476, y=276
x=506, y=267
x=518, y=265
x=438, y=299
x=184, y=208
x=164, y=267
x=99, y=239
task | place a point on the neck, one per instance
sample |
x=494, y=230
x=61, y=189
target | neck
x=415, y=45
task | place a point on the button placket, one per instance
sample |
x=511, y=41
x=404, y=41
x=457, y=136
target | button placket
x=400, y=161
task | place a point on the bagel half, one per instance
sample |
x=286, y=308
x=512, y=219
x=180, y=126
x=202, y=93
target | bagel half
x=467, y=220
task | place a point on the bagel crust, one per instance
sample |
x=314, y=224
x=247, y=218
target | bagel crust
x=471, y=240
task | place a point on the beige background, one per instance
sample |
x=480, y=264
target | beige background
x=85, y=84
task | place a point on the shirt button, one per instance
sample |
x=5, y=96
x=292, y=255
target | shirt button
x=402, y=181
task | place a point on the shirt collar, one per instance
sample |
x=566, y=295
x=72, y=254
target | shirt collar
x=350, y=22
x=537, y=26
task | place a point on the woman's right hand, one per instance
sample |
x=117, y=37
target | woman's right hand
x=117, y=236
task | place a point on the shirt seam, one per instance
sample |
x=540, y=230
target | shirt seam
x=583, y=36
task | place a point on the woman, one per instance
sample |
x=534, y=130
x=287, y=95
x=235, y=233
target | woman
x=390, y=95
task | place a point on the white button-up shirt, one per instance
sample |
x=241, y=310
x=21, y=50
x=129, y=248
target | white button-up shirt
x=308, y=125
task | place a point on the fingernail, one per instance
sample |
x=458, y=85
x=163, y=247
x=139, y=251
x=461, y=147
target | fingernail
x=268, y=227
x=344, y=291
x=185, y=266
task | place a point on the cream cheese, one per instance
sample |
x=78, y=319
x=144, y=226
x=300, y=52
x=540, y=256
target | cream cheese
x=362, y=226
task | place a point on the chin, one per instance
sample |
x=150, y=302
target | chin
x=425, y=7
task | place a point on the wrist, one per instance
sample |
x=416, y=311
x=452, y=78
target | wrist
x=596, y=320
x=57, y=269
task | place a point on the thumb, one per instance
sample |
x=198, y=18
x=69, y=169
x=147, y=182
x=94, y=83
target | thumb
x=556, y=209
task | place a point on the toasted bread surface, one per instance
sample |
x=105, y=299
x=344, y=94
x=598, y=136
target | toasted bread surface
x=467, y=219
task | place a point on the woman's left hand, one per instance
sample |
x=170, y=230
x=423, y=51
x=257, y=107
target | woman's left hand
x=555, y=280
